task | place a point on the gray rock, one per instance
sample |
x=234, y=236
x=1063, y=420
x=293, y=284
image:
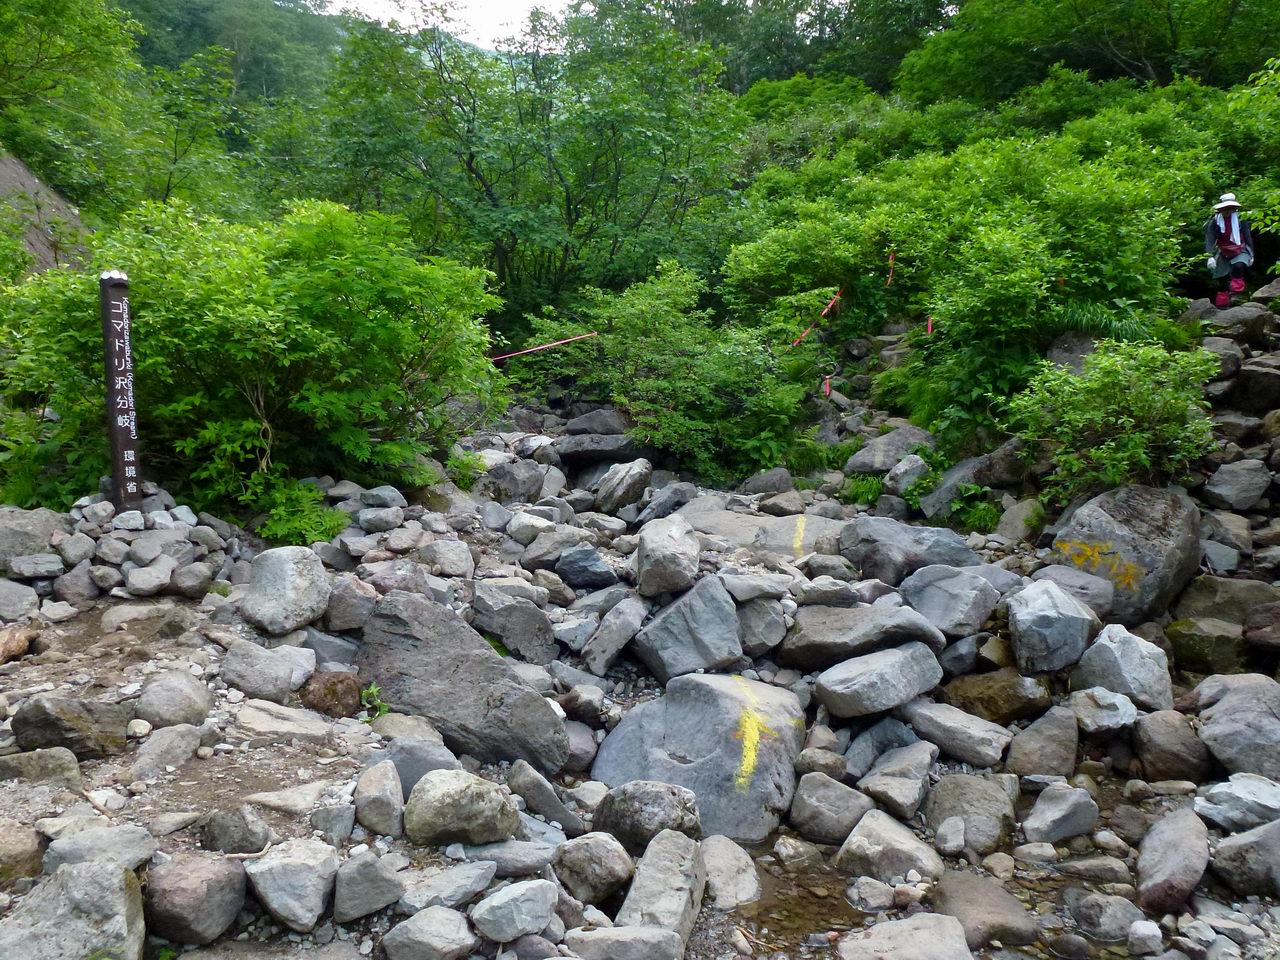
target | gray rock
x=1102, y=917
x=900, y=777
x=436, y=933
x=1101, y=711
x=128, y=846
x=152, y=579
x=1143, y=539
x=89, y=729
x=825, y=810
x=925, y=936
x=1240, y=722
x=335, y=822
x=24, y=532
x=17, y=601
x=540, y=797
x=288, y=589
x=507, y=483
x=414, y=759
x=351, y=602
x=1171, y=861
x=240, y=830
x=294, y=880
x=791, y=536
x=1123, y=663
x=625, y=943
x=76, y=586
x=1245, y=801
x=1238, y=485
x=761, y=626
x=732, y=878
x=668, y=886
x=985, y=909
x=449, y=887
x=887, y=734
x=597, y=448
x=883, y=453
x=582, y=567
x=1060, y=812
x=519, y=858
x=36, y=566
x=1047, y=747
x=448, y=806
x=259, y=672
x=448, y=558
x=85, y=910
x=623, y=484
x=617, y=628
x=429, y=662
x=593, y=867
x=167, y=747
x=824, y=636
x=924, y=545
x=380, y=519
x=882, y=848
x=516, y=910
x=666, y=557
x=956, y=602
x=1096, y=593
x=56, y=767
x=194, y=899
x=1050, y=628
x=364, y=885
x=732, y=741
x=878, y=681
x=379, y=801
x=697, y=632
x=174, y=697
x=667, y=501
x=517, y=622
x=959, y=734
x=638, y=810
x=264, y=722
x=1249, y=862
x=982, y=805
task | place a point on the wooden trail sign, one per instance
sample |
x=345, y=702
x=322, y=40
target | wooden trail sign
x=122, y=413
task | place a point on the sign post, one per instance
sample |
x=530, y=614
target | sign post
x=122, y=414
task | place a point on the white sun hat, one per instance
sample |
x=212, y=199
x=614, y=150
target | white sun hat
x=1226, y=200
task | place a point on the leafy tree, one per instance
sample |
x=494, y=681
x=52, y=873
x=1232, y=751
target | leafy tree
x=44, y=43
x=720, y=400
x=317, y=342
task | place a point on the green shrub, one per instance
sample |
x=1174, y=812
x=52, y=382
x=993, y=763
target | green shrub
x=316, y=343
x=722, y=400
x=973, y=509
x=861, y=488
x=296, y=513
x=464, y=468
x=1136, y=414
x=808, y=455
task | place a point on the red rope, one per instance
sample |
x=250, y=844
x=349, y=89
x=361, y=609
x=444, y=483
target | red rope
x=893, y=255
x=546, y=346
x=825, y=310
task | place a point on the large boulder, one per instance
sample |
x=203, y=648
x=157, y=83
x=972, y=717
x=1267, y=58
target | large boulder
x=26, y=532
x=732, y=741
x=91, y=909
x=1249, y=862
x=453, y=806
x=883, y=453
x=88, y=728
x=294, y=881
x=1050, y=628
x=900, y=546
x=194, y=899
x=823, y=636
x=637, y=811
x=982, y=805
x=516, y=621
x=881, y=847
x=623, y=484
x=697, y=632
x=1238, y=485
x=957, y=602
x=985, y=909
x=666, y=557
x=668, y=886
x=1223, y=599
x=1240, y=722
x=429, y=662
x=925, y=936
x=791, y=536
x=1145, y=540
x=1123, y=663
x=1171, y=861
x=288, y=589
x=878, y=681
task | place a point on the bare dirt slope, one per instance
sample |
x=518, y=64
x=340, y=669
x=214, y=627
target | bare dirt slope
x=53, y=224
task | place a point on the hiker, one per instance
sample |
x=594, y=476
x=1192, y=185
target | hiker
x=1229, y=243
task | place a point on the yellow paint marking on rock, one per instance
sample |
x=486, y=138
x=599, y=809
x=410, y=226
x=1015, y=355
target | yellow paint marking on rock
x=797, y=545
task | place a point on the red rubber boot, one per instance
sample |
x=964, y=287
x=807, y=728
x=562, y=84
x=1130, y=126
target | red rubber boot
x=1222, y=299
